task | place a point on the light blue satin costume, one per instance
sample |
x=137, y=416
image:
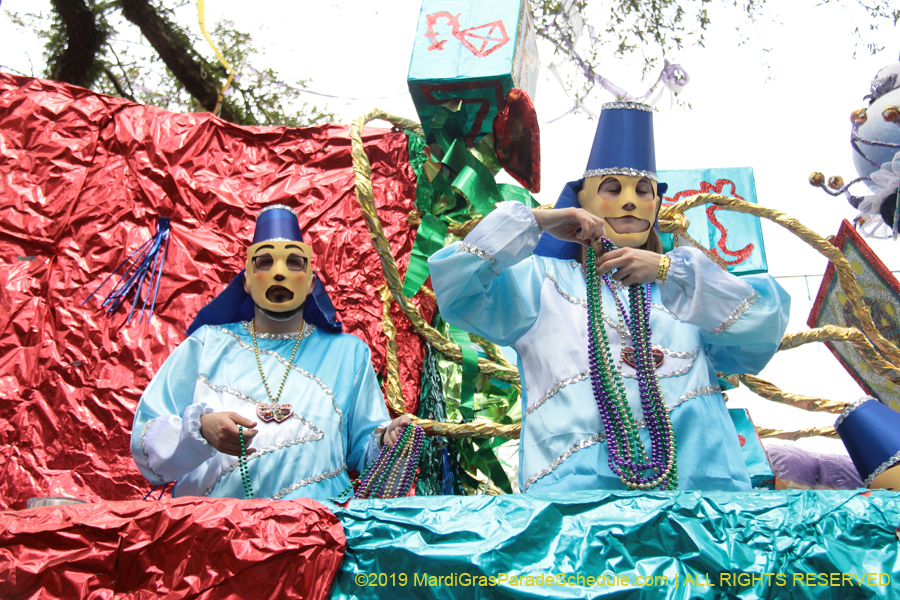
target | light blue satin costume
x=332, y=387
x=702, y=319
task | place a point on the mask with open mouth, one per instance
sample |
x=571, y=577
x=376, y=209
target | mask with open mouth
x=628, y=204
x=279, y=274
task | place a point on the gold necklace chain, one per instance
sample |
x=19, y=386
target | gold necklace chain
x=287, y=369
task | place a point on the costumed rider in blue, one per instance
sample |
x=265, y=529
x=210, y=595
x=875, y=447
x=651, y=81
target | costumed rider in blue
x=265, y=358
x=618, y=360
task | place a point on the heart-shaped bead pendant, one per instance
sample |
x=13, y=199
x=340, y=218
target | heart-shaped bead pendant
x=274, y=412
x=628, y=356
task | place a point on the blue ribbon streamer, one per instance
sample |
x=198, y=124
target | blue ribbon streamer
x=150, y=260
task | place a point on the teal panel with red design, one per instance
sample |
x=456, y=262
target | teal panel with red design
x=473, y=52
x=734, y=238
x=755, y=457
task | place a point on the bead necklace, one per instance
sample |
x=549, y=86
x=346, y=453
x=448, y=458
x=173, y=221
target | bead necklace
x=274, y=411
x=242, y=463
x=384, y=479
x=627, y=455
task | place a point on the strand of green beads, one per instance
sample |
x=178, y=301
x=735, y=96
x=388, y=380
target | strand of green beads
x=242, y=464
x=624, y=429
x=380, y=485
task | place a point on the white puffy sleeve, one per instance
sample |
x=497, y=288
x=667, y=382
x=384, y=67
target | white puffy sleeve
x=485, y=284
x=742, y=319
x=165, y=440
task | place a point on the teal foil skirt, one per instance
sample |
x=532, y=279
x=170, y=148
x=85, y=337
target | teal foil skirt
x=767, y=544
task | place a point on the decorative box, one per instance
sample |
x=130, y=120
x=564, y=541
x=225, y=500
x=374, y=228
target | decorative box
x=735, y=239
x=469, y=54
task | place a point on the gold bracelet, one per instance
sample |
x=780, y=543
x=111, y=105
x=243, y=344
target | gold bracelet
x=663, y=269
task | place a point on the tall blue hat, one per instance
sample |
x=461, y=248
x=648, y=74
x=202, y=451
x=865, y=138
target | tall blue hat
x=623, y=145
x=871, y=432
x=274, y=223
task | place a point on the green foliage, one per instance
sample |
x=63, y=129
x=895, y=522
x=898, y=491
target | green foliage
x=128, y=67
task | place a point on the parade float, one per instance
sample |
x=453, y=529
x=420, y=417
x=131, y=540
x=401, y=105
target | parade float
x=95, y=186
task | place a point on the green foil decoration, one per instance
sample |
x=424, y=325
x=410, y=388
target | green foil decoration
x=431, y=406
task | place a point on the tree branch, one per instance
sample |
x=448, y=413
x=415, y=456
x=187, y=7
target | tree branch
x=177, y=52
x=116, y=84
x=84, y=38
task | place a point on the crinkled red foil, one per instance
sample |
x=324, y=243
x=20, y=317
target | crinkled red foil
x=83, y=180
x=182, y=548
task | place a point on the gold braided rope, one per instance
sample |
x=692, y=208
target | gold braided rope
x=463, y=430
x=769, y=391
x=495, y=354
x=828, y=432
x=393, y=389
x=851, y=335
x=365, y=196
x=667, y=217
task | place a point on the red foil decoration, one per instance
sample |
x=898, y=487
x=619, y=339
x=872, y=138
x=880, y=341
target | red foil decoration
x=83, y=180
x=185, y=548
x=517, y=139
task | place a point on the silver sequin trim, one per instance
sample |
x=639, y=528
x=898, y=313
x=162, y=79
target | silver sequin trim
x=483, y=254
x=675, y=353
x=144, y=451
x=247, y=398
x=627, y=105
x=585, y=443
x=742, y=307
x=285, y=362
x=882, y=468
x=851, y=408
x=555, y=389
x=308, y=481
x=701, y=391
x=619, y=327
x=258, y=453
x=621, y=171
x=273, y=207
x=308, y=328
x=601, y=437
x=569, y=297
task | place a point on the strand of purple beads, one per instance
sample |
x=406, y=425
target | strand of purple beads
x=623, y=440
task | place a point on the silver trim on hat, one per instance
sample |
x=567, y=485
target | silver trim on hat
x=627, y=106
x=620, y=171
x=274, y=206
x=851, y=408
x=888, y=464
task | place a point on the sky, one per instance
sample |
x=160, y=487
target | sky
x=775, y=96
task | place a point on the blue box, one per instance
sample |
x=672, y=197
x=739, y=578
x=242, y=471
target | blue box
x=471, y=52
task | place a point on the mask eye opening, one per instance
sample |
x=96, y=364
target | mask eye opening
x=263, y=262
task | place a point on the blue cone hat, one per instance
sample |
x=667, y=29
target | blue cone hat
x=871, y=432
x=233, y=304
x=623, y=145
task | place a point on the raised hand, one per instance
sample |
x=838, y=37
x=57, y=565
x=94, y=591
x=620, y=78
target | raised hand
x=391, y=432
x=631, y=265
x=570, y=224
x=220, y=429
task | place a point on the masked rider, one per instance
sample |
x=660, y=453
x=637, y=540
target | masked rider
x=265, y=358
